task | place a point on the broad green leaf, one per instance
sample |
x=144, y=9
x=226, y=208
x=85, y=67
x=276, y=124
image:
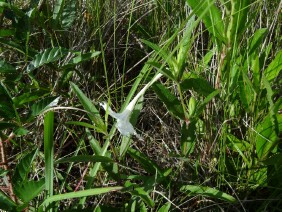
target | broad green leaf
x=139, y=192
x=165, y=207
x=171, y=101
x=84, y=57
x=266, y=138
x=6, y=203
x=22, y=170
x=93, y=114
x=6, y=67
x=199, y=85
x=78, y=194
x=43, y=105
x=6, y=32
x=85, y=158
x=257, y=40
x=58, y=8
x=274, y=67
x=194, y=190
x=69, y=14
x=30, y=189
x=47, y=56
x=26, y=97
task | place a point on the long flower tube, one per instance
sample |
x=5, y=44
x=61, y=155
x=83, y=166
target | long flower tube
x=123, y=124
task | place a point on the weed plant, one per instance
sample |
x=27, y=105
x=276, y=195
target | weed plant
x=191, y=105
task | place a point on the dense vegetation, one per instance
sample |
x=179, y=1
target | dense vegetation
x=207, y=117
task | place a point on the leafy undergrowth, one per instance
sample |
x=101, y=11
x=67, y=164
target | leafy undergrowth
x=191, y=105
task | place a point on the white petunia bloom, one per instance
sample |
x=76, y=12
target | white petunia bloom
x=123, y=124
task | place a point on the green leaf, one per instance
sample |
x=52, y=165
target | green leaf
x=3, y=172
x=211, y=16
x=149, y=165
x=6, y=203
x=171, y=101
x=199, y=85
x=194, y=190
x=93, y=114
x=165, y=71
x=49, y=152
x=43, y=105
x=78, y=194
x=69, y=13
x=267, y=138
x=139, y=192
x=58, y=8
x=30, y=190
x=257, y=40
x=188, y=138
x=47, y=56
x=30, y=96
x=274, y=67
x=7, y=32
x=85, y=158
x=165, y=207
x=6, y=67
x=22, y=170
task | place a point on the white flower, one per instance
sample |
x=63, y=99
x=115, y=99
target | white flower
x=123, y=124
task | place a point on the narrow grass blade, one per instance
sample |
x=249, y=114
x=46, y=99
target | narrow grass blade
x=49, y=151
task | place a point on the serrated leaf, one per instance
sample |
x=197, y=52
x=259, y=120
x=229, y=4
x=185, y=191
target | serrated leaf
x=43, y=105
x=6, y=67
x=207, y=191
x=171, y=102
x=47, y=56
x=85, y=158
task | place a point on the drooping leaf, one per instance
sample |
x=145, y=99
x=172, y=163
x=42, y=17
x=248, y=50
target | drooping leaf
x=194, y=190
x=43, y=105
x=47, y=56
x=78, y=194
x=170, y=100
x=6, y=67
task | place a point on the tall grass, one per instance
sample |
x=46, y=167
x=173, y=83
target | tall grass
x=211, y=125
